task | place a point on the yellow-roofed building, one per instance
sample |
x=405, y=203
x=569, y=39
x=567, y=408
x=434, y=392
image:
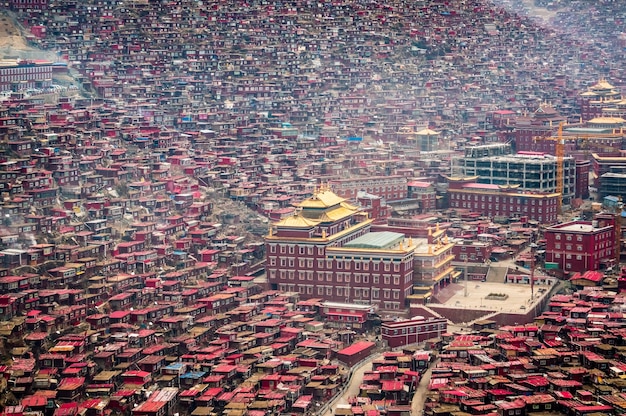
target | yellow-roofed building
x=326, y=249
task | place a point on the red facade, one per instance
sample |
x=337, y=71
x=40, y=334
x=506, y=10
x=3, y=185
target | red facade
x=399, y=333
x=496, y=201
x=578, y=246
x=309, y=254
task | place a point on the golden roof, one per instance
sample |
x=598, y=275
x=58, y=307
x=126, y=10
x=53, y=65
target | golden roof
x=607, y=120
x=297, y=221
x=324, y=198
x=336, y=214
x=427, y=132
x=602, y=85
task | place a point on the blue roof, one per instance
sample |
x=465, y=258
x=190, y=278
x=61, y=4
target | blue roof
x=175, y=366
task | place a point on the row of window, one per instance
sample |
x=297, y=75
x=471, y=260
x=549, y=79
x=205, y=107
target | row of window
x=26, y=70
x=600, y=254
x=510, y=208
x=340, y=277
x=569, y=237
x=309, y=263
x=358, y=293
x=415, y=329
x=491, y=198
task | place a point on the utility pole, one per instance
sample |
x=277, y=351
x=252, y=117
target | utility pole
x=533, y=246
x=465, y=292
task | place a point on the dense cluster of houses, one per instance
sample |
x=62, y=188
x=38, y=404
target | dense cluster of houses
x=128, y=253
x=180, y=347
x=568, y=362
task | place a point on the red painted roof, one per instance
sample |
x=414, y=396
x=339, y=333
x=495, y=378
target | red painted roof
x=357, y=348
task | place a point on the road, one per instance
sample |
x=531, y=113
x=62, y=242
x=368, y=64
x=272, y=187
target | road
x=355, y=383
x=417, y=405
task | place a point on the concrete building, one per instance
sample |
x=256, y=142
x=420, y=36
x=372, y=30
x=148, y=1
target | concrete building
x=541, y=123
x=578, y=246
x=21, y=75
x=390, y=188
x=528, y=171
x=418, y=329
x=326, y=250
x=599, y=98
x=505, y=201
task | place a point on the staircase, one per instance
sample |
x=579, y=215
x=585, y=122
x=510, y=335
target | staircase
x=496, y=274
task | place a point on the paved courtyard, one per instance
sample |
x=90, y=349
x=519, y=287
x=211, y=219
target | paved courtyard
x=519, y=296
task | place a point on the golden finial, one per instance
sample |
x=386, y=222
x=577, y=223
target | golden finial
x=430, y=231
x=430, y=249
x=401, y=245
x=323, y=233
x=437, y=227
x=271, y=231
x=445, y=239
x=410, y=241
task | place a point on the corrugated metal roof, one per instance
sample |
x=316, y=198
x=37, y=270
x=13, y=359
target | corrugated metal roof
x=377, y=240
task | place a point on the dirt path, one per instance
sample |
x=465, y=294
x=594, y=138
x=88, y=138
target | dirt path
x=355, y=383
x=419, y=399
x=538, y=12
x=10, y=33
x=13, y=43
